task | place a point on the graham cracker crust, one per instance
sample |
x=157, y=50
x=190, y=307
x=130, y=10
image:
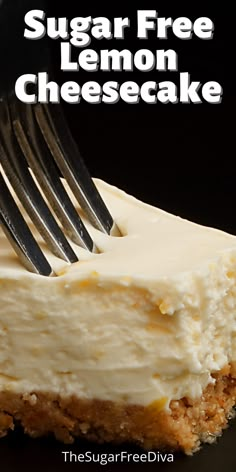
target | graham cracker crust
x=183, y=429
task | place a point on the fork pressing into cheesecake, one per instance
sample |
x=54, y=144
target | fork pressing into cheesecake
x=36, y=149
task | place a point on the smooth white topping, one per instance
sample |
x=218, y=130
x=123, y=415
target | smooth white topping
x=149, y=318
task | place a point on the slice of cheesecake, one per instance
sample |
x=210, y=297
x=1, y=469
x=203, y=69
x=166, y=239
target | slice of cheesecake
x=137, y=343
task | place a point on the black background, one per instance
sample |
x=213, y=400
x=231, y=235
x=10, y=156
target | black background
x=19, y=452
x=178, y=157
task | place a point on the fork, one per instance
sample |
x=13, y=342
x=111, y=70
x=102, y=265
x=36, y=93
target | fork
x=36, y=149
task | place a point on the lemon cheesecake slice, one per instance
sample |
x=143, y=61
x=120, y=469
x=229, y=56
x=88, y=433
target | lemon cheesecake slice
x=135, y=343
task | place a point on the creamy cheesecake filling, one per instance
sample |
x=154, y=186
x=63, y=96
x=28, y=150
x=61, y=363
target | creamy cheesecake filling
x=150, y=318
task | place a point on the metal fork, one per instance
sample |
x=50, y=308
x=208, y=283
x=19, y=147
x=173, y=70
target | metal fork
x=36, y=149
x=37, y=137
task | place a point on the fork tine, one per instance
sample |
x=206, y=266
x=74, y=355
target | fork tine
x=17, y=171
x=18, y=233
x=65, y=152
x=45, y=170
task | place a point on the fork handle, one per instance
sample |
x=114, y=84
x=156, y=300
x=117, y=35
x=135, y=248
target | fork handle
x=19, y=55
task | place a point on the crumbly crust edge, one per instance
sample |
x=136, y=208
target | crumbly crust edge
x=188, y=424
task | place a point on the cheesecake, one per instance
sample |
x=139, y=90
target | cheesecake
x=135, y=343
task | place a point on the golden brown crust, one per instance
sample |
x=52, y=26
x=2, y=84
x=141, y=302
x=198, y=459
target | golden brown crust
x=189, y=423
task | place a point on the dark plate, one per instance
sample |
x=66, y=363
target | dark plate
x=19, y=452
